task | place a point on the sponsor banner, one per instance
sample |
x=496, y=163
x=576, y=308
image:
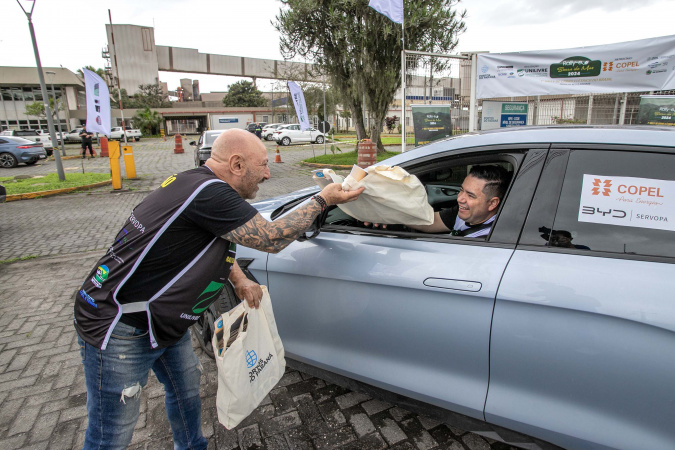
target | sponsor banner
x=299, y=103
x=644, y=65
x=431, y=122
x=503, y=114
x=628, y=202
x=98, y=103
x=228, y=120
x=657, y=110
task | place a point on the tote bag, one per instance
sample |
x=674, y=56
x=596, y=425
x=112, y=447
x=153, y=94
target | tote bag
x=250, y=359
x=391, y=196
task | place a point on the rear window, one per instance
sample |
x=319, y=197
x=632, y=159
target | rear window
x=26, y=133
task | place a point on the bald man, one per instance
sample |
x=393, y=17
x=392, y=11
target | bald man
x=168, y=263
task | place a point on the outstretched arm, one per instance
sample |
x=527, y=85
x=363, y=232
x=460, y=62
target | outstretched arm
x=272, y=237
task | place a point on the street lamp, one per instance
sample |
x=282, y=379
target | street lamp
x=51, y=75
x=45, y=96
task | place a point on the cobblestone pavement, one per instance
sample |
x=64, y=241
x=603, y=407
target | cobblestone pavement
x=42, y=393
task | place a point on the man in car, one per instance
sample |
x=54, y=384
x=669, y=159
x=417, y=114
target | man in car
x=478, y=201
x=167, y=264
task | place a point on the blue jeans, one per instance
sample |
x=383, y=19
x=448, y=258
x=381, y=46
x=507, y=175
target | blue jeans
x=116, y=375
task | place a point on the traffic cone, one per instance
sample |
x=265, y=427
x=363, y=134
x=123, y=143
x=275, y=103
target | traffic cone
x=277, y=157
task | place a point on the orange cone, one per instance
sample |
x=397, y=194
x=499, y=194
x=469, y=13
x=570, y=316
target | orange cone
x=277, y=157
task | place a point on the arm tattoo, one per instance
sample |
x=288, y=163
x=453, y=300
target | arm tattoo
x=272, y=237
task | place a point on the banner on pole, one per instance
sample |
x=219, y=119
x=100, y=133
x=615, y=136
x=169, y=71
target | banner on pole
x=644, y=65
x=431, y=122
x=299, y=103
x=390, y=8
x=657, y=110
x=98, y=103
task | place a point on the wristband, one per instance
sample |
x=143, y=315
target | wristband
x=321, y=201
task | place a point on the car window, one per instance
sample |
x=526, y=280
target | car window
x=2, y=141
x=619, y=202
x=210, y=138
x=442, y=184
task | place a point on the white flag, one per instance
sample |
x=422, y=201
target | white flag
x=98, y=103
x=299, y=103
x=390, y=8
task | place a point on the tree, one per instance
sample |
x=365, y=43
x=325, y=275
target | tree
x=38, y=108
x=148, y=96
x=360, y=49
x=244, y=93
x=148, y=121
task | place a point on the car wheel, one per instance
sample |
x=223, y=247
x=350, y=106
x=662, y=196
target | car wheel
x=286, y=141
x=7, y=160
x=319, y=139
x=268, y=137
x=204, y=328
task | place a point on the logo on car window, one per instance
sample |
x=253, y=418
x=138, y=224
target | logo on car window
x=604, y=184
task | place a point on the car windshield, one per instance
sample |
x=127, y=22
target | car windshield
x=210, y=138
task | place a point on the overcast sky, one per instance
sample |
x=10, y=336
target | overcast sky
x=72, y=33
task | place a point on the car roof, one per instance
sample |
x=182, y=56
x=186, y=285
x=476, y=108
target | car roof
x=644, y=136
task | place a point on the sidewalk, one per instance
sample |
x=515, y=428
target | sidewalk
x=42, y=394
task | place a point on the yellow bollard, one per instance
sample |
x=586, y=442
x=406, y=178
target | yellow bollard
x=114, y=152
x=129, y=165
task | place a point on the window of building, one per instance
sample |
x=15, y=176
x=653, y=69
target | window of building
x=28, y=94
x=17, y=94
x=616, y=202
x=37, y=94
x=6, y=94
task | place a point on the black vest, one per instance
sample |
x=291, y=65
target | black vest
x=178, y=304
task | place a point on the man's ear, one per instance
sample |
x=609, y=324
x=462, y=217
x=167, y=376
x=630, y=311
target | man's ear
x=237, y=165
x=493, y=203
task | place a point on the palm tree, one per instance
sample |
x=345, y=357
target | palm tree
x=148, y=121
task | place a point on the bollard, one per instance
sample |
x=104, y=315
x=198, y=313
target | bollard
x=178, y=140
x=367, y=154
x=104, y=147
x=114, y=150
x=129, y=165
x=277, y=157
x=162, y=135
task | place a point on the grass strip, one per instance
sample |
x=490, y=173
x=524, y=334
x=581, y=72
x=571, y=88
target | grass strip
x=50, y=182
x=345, y=159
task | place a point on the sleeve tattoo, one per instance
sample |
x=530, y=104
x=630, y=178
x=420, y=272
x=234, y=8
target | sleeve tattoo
x=272, y=237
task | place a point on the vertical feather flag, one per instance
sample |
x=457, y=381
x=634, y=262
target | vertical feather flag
x=98, y=103
x=390, y=8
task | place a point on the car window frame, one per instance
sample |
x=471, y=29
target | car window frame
x=544, y=210
x=515, y=154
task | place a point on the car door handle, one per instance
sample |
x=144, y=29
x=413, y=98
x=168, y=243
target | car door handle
x=457, y=285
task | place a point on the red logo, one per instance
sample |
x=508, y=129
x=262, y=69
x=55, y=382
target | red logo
x=606, y=184
x=607, y=66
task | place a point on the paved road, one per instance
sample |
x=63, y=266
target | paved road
x=42, y=395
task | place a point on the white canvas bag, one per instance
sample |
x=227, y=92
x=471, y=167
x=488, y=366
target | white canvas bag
x=391, y=196
x=251, y=365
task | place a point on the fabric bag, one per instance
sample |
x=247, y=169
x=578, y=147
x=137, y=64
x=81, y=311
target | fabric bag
x=391, y=196
x=250, y=359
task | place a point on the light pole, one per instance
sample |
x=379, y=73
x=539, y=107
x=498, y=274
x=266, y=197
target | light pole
x=45, y=96
x=51, y=75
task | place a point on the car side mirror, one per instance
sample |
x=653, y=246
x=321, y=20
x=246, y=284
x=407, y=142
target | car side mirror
x=193, y=143
x=315, y=228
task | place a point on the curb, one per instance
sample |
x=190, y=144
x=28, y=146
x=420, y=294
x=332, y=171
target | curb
x=15, y=197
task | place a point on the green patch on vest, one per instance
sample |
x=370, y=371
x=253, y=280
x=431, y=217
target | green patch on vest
x=208, y=296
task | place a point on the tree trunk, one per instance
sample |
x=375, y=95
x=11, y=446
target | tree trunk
x=357, y=116
x=376, y=131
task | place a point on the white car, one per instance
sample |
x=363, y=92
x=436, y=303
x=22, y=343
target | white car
x=269, y=129
x=287, y=134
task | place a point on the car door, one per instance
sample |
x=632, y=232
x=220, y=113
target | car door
x=406, y=312
x=583, y=337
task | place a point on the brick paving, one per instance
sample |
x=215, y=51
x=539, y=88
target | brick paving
x=42, y=394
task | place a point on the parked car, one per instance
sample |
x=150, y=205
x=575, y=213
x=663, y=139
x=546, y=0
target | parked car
x=558, y=327
x=15, y=150
x=46, y=134
x=203, y=146
x=74, y=135
x=268, y=130
x=287, y=134
x=116, y=133
x=32, y=135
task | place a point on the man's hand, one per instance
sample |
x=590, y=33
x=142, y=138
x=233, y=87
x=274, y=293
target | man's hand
x=249, y=291
x=334, y=195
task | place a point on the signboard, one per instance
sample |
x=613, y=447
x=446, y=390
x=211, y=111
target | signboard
x=431, y=122
x=503, y=114
x=657, y=110
x=644, y=65
x=628, y=202
x=228, y=120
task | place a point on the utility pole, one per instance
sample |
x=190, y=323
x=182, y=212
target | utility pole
x=45, y=94
x=117, y=73
x=51, y=79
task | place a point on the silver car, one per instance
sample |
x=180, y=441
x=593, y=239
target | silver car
x=557, y=328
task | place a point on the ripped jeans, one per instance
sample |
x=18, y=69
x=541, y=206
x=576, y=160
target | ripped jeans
x=116, y=375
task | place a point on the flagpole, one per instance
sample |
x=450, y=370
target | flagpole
x=403, y=136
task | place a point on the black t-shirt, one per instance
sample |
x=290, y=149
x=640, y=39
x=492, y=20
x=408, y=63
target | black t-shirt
x=86, y=137
x=216, y=210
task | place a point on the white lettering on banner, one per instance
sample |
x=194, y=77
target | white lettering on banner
x=628, y=202
x=595, y=69
x=135, y=222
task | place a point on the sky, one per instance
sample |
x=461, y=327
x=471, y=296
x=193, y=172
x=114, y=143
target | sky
x=72, y=33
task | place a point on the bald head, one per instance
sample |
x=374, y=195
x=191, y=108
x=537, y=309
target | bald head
x=240, y=159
